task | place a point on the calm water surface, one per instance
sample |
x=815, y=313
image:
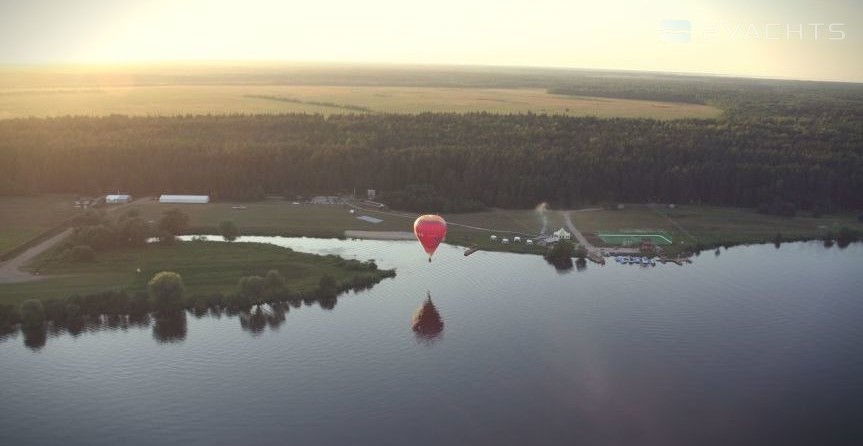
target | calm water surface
x=754, y=346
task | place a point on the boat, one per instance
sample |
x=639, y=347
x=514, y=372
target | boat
x=645, y=261
x=470, y=250
x=619, y=259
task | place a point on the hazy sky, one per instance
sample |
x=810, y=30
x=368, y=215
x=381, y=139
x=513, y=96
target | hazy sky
x=790, y=38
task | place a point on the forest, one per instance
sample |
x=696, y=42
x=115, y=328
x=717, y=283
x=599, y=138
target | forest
x=779, y=146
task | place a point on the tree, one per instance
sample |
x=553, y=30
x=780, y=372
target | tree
x=252, y=287
x=327, y=287
x=174, y=221
x=166, y=238
x=560, y=255
x=134, y=230
x=32, y=314
x=845, y=236
x=229, y=230
x=274, y=283
x=580, y=252
x=562, y=249
x=166, y=291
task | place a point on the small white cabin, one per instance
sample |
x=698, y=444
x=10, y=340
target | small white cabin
x=505, y=241
x=516, y=239
x=529, y=241
x=184, y=199
x=494, y=238
x=118, y=199
x=562, y=234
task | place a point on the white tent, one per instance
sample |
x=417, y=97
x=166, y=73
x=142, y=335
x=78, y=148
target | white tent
x=117, y=199
x=180, y=199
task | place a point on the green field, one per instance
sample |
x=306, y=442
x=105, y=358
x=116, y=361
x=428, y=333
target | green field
x=205, y=267
x=22, y=218
x=277, y=217
x=174, y=100
x=687, y=226
x=635, y=237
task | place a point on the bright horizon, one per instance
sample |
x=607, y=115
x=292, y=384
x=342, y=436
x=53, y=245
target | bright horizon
x=756, y=38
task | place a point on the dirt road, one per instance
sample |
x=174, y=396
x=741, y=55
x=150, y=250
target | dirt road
x=575, y=232
x=10, y=270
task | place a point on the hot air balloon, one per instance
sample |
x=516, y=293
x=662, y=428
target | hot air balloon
x=430, y=230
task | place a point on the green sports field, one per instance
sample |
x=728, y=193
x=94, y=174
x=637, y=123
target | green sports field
x=633, y=238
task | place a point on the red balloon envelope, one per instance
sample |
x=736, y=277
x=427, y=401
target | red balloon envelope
x=430, y=230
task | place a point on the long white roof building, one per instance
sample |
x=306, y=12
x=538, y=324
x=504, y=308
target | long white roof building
x=189, y=199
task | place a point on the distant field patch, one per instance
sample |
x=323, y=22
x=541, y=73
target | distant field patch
x=22, y=218
x=263, y=99
x=370, y=219
x=633, y=238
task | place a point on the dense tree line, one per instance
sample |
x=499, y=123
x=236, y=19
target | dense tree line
x=802, y=151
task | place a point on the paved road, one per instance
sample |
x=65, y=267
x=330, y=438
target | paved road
x=10, y=270
x=578, y=235
x=592, y=251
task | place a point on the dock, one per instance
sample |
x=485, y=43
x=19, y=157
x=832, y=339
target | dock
x=471, y=249
x=596, y=257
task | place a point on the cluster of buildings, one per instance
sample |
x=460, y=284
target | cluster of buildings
x=561, y=234
x=515, y=239
x=166, y=199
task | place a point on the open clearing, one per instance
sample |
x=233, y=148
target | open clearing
x=22, y=218
x=206, y=267
x=254, y=99
x=707, y=225
x=634, y=238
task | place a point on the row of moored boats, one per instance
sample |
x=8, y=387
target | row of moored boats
x=635, y=260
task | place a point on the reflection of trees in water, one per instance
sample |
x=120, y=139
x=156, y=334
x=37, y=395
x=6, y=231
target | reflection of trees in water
x=35, y=337
x=166, y=328
x=263, y=316
x=170, y=327
x=563, y=265
x=254, y=322
x=580, y=265
x=427, y=323
x=328, y=302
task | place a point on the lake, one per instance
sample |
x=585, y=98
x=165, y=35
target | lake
x=756, y=345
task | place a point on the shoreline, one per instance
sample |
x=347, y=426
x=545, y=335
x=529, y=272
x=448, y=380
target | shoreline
x=380, y=235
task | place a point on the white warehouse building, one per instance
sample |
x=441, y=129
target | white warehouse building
x=184, y=199
x=118, y=199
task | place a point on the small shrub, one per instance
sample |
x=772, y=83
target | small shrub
x=229, y=230
x=167, y=239
x=166, y=291
x=252, y=287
